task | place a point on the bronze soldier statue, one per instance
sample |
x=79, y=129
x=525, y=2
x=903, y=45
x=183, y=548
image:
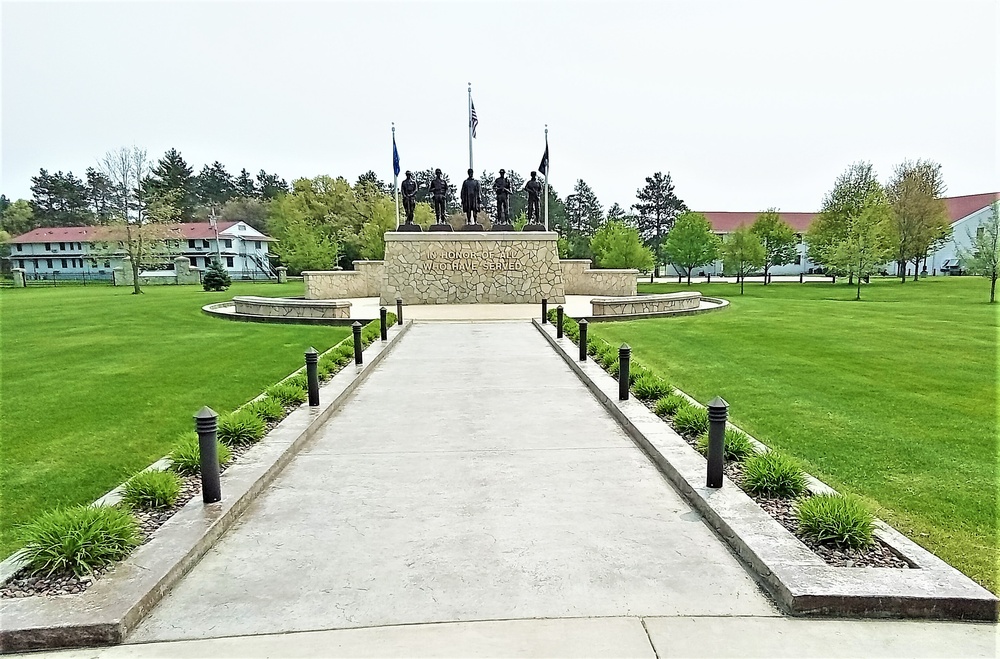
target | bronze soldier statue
x=470, y=198
x=439, y=194
x=408, y=188
x=503, y=191
x=534, y=189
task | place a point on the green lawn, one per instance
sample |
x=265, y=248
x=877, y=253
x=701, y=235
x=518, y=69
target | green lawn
x=893, y=397
x=98, y=383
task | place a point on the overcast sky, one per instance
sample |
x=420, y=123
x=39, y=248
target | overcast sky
x=746, y=104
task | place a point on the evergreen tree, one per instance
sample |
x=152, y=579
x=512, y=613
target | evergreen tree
x=216, y=278
x=245, y=186
x=59, y=200
x=270, y=185
x=371, y=180
x=214, y=185
x=172, y=178
x=101, y=195
x=589, y=214
x=657, y=210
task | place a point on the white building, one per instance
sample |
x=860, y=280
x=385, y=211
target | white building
x=967, y=213
x=77, y=252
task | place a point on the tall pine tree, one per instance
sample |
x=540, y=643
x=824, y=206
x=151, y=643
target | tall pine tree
x=59, y=200
x=171, y=177
x=657, y=210
x=214, y=185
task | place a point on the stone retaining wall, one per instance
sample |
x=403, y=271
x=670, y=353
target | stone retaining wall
x=581, y=279
x=334, y=284
x=642, y=304
x=291, y=307
x=182, y=273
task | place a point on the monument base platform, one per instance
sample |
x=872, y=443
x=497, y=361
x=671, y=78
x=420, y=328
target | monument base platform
x=473, y=227
x=441, y=227
x=502, y=227
x=471, y=267
x=409, y=227
x=534, y=227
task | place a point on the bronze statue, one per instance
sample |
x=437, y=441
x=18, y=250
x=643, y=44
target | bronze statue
x=439, y=194
x=408, y=188
x=470, y=198
x=534, y=189
x=503, y=191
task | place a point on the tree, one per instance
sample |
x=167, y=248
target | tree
x=171, y=178
x=423, y=179
x=251, y=211
x=316, y=223
x=371, y=180
x=743, y=254
x=489, y=196
x=141, y=221
x=920, y=220
x=100, y=194
x=867, y=246
x=853, y=191
x=216, y=278
x=983, y=255
x=214, y=186
x=17, y=218
x=657, y=210
x=617, y=245
x=691, y=243
x=270, y=185
x=245, y=186
x=589, y=215
x=777, y=239
x=59, y=200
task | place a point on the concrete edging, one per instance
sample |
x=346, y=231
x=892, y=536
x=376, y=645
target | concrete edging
x=106, y=612
x=799, y=580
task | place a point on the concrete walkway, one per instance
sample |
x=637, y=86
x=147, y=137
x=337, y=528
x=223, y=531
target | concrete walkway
x=471, y=477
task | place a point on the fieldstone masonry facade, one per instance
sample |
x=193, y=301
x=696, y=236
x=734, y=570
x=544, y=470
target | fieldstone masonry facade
x=645, y=304
x=291, y=308
x=472, y=267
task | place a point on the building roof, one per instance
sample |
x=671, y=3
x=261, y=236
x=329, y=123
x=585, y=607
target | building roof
x=728, y=221
x=185, y=231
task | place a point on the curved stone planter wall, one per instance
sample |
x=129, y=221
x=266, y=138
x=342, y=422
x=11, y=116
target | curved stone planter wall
x=291, y=307
x=646, y=304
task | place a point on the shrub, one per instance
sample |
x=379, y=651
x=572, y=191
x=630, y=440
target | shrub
x=773, y=474
x=152, y=489
x=342, y=360
x=607, y=357
x=287, y=394
x=390, y=318
x=300, y=380
x=738, y=445
x=327, y=367
x=595, y=346
x=216, y=278
x=836, y=519
x=636, y=371
x=266, y=409
x=614, y=367
x=80, y=539
x=670, y=405
x=691, y=420
x=185, y=459
x=650, y=387
x=240, y=428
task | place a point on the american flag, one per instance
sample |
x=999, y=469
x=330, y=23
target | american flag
x=474, y=120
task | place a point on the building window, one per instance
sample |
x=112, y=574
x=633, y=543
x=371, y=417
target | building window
x=107, y=264
x=48, y=247
x=204, y=244
x=35, y=262
x=63, y=261
x=190, y=244
x=62, y=246
x=229, y=261
x=194, y=261
x=798, y=259
x=19, y=248
x=48, y=263
x=229, y=243
x=256, y=244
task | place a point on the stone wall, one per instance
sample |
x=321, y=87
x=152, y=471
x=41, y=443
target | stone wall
x=334, y=284
x=472, y=267
x=291, y=307
x=182, y=273
x=645, y=304
x=372, y=273
x=580, y=279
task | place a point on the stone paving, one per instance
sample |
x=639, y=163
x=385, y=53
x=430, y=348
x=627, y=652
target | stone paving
x=471, y=477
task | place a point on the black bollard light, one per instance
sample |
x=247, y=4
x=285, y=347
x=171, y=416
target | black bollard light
x=545, y=311
x=718, y=411
x=583, y=339
x=206, y=425
x=708, y=279
x=399, y=311
x=559, y=322
x=312, y=376
x=833, y=279
x=802, y=278
x=383, y=316
x=624, y=356
x=678, y=278
x=357, y=341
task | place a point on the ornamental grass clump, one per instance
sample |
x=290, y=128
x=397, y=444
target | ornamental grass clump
x=327, y=367
x=595, y=346
x=240, y=428
x=650, y=386
x=738, y=446
x=150, y=490
x=669, y=405
x=300, y=380
x=772, y=474
x=835, y=519
x=691, y=420
x=266, y=409
x=80, y=539
x=185, y=459
x=287, y=394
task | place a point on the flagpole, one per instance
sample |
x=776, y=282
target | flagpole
x=395, y=176
x=548, y=168
x=470, y=125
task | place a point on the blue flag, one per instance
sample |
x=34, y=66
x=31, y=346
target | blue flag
x=395, y=157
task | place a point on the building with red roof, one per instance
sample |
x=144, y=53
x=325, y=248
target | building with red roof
x=77, y=252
